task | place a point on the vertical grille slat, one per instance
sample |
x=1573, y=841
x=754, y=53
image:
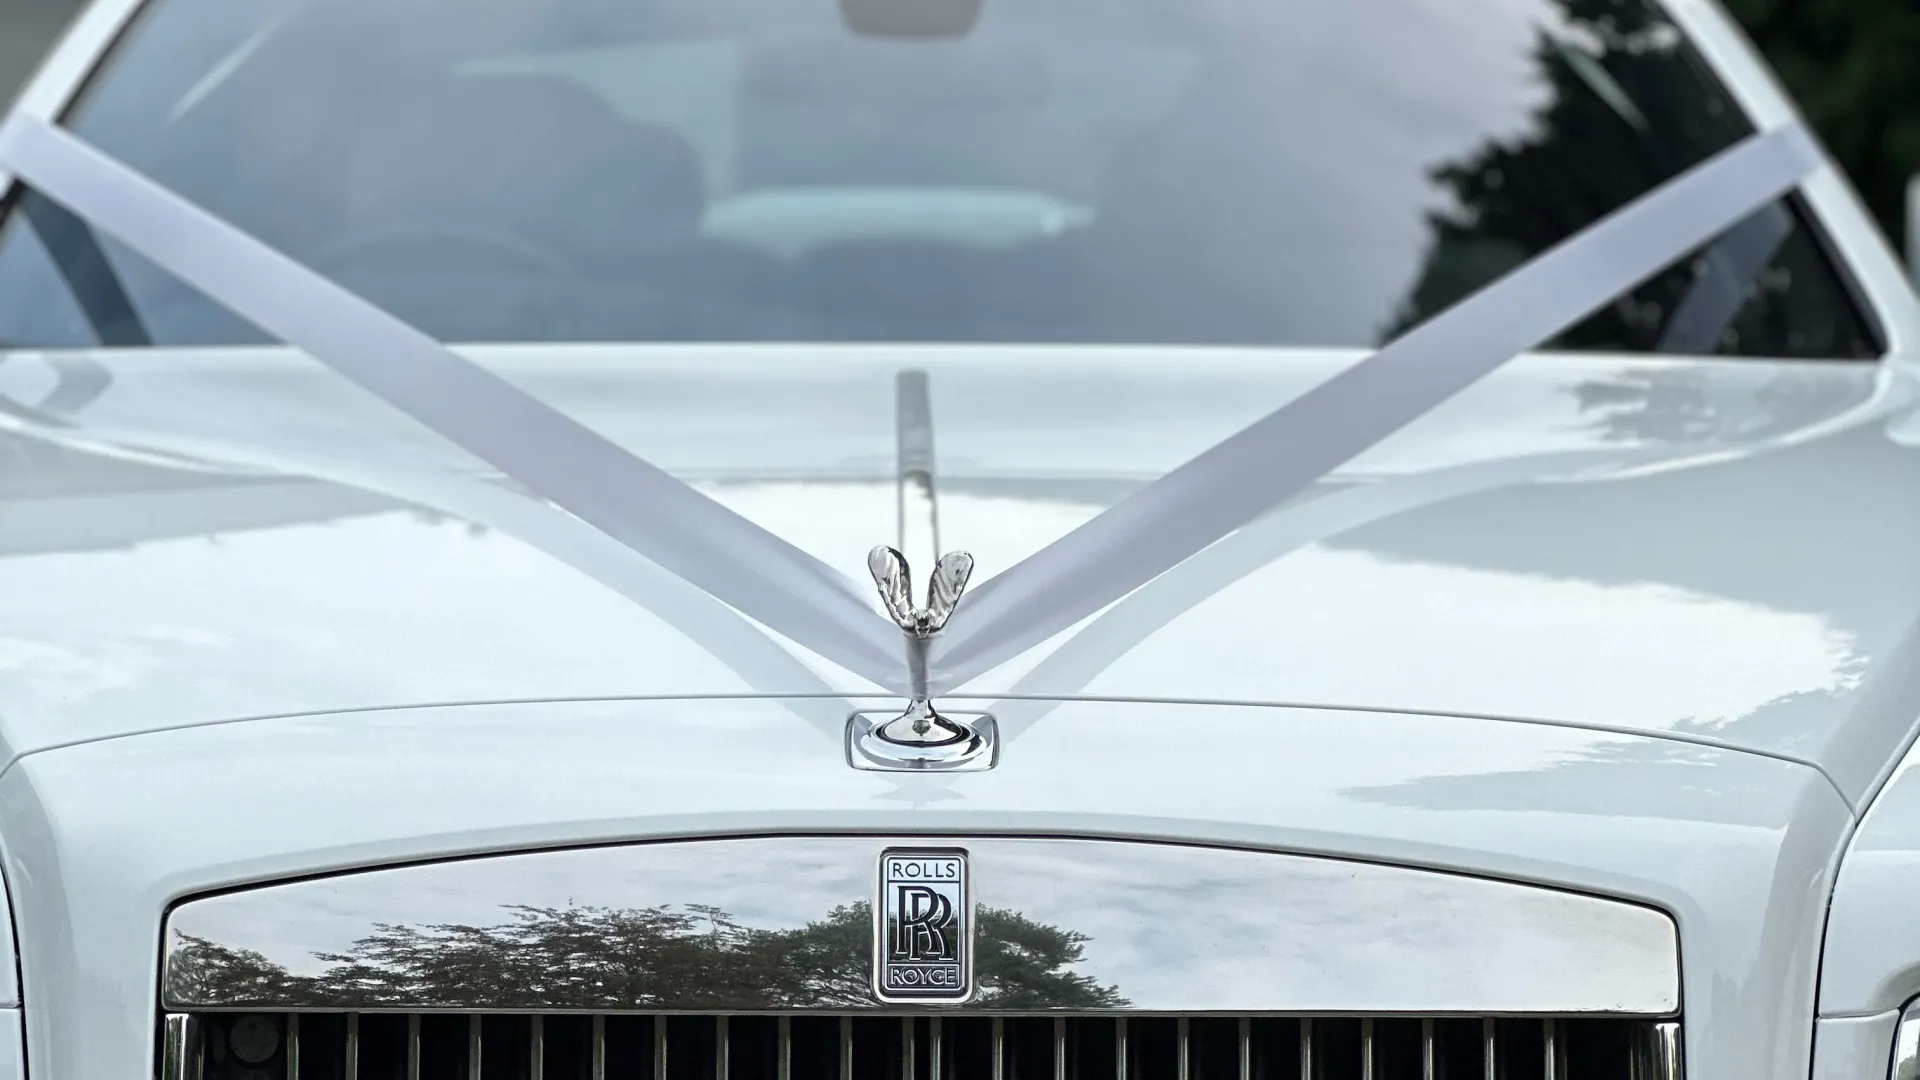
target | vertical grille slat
x=1664, y=1057
x=920, y=1046
x=183, y=1056
x=351, y=1066
x=473, y=1047
x=597, y=1052
x=413, y=1047
x=293, y=1047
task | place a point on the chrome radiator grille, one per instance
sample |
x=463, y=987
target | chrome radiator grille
x=505, y=1046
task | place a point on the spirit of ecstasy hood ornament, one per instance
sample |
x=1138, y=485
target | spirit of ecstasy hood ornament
x=895, y=579
x=920, y=738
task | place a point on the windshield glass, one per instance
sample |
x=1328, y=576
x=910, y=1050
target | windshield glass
x=1296, y=172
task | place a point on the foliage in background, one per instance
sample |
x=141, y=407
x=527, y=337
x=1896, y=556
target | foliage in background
x=694, y=957
x=1590, y=150
x=1854, y=67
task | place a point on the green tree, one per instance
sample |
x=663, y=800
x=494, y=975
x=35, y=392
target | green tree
x=1854, y=68
x=1591, y=149
x=693, y=957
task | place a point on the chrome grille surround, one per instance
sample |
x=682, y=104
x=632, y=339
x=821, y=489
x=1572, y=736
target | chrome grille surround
x=781, y=924
x=751, y=959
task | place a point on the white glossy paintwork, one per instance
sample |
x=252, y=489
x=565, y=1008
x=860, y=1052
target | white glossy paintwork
x=1752, y=587
x=1854, y=1048
x=1873, y=938
x=1735, y=846
x=1620, y=543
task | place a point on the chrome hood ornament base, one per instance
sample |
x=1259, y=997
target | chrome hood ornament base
x=921, y=738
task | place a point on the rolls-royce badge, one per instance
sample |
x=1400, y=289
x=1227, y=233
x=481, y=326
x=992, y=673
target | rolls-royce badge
x=923, y=927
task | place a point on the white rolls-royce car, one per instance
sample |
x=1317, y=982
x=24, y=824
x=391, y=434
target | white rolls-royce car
x=949, y=540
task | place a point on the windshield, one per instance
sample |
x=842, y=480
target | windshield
x=1294, y=172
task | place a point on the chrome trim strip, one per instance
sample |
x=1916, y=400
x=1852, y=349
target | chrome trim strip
x=413, y=1046
x=1120, y=1049
x=1060, y=1046
x=660, y=1046
x=353, y=1047
x=933, y=1048
x=999, y=1049
x=906, y=1047
x=599, y=1062
x=1464, y=944
x=846, y=1049
x=1306, y=1048
x=1246, y=1048
x=1366, y=1048
x=1489, y=1046
x=1185, y=1040
x=1669, y=1056
x=1428, y=1067
x=293, y=1047
x=722, y=1050
x=919, y=506
x=536, y=1050
x=181, y=1057
x=473, y=1047
x=784, y=1054
x=1907, y=1046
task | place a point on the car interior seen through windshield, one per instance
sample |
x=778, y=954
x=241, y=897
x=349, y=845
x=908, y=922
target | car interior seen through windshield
x=1189, y=172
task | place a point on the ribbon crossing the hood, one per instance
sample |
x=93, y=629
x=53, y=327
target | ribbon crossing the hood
x=791, y=592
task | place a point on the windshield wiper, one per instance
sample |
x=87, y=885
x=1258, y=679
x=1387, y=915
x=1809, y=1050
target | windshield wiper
x=1731, y=265
x=82, y=263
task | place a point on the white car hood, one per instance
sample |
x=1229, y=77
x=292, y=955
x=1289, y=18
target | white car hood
x=1717, y=551
x=1670, y=604
x=103, y=837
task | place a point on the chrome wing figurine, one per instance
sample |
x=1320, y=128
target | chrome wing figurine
x=895, y=579
x=921, y=737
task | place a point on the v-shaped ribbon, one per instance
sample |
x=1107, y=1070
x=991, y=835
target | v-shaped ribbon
x=789, y=591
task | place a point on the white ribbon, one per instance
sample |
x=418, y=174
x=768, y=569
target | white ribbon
x=334, y=455
x=580, y=471
x=791, y=592
x=1067, y=670
x=1280, y=455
